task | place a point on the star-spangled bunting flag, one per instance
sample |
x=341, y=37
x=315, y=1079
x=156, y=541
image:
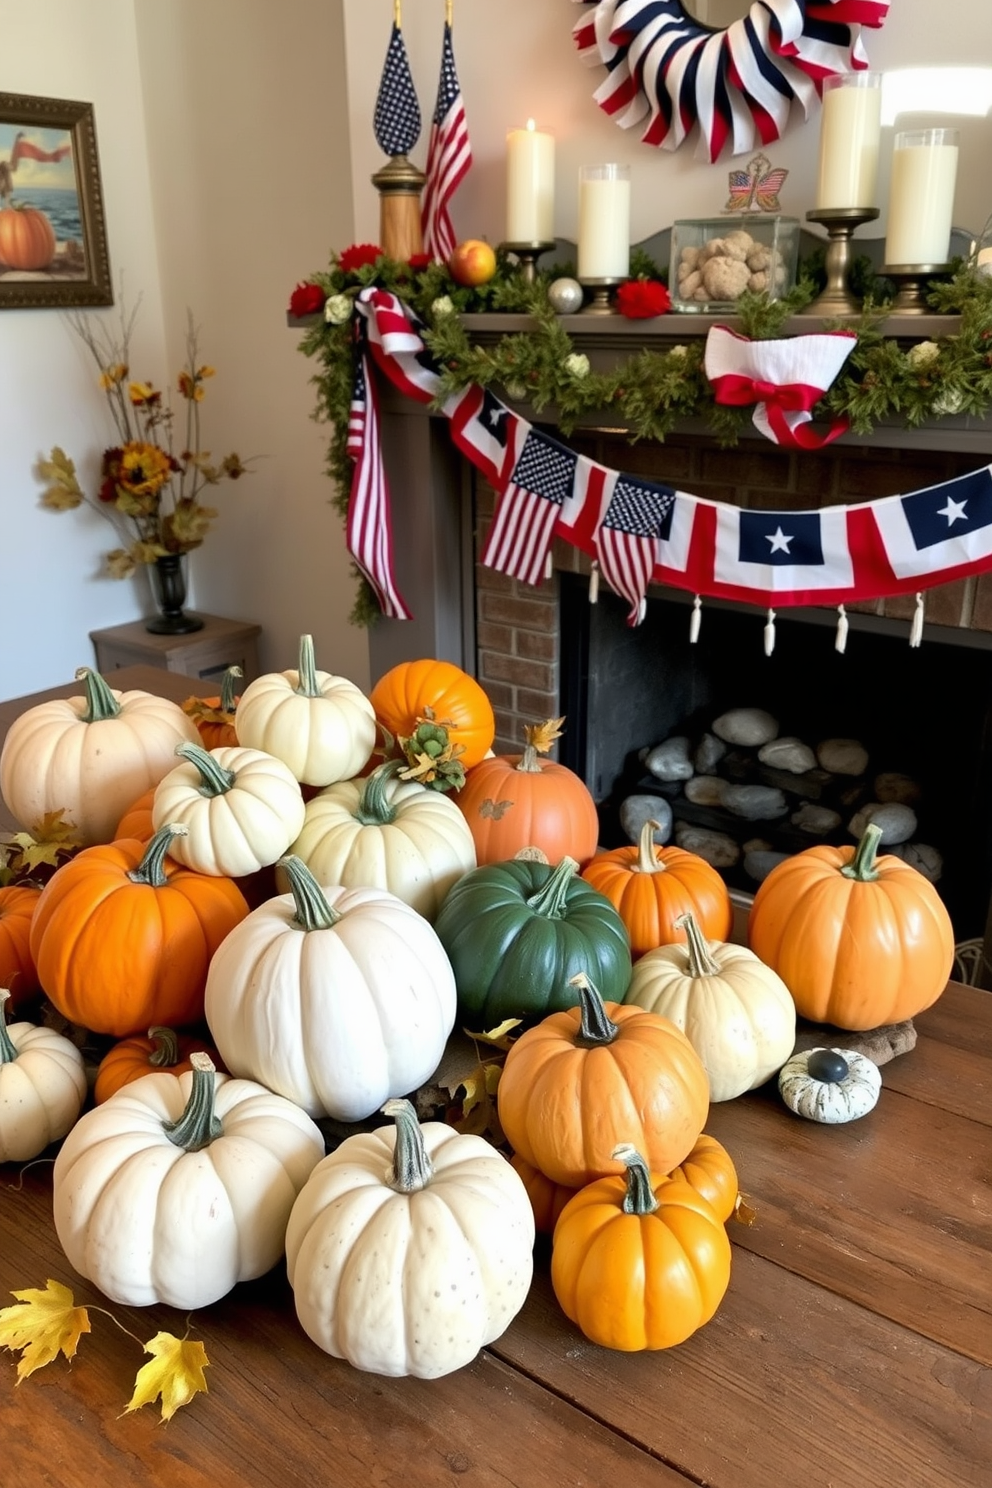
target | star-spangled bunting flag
x=775, y=552
x=520, y=535
x=394, y=336
x=368, y=526
x=485, y=431
x=396, y=121
x=639, y=515
x=947, y=526
x=449, y=155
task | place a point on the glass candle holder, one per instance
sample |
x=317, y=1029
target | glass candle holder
x=604, y=222
x=850, y=131
x=921, y=197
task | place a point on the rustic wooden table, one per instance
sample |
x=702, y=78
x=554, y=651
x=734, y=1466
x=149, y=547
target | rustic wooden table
x=852, y=1350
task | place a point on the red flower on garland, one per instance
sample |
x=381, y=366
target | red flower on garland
x=357, y=256
x=640, y=299
x=418, y=261
x=305, y=299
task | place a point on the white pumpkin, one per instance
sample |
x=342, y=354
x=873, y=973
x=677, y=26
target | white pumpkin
x=241, y=809
x=323, y=727
x=830, y=1085
x=736, y=1012
x=336, y=998
x=180, y=1186
x=90, y=757
x=42, y=1087
x=410, y=1248
x=385, y=833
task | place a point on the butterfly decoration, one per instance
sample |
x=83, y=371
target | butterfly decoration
x=757, y=188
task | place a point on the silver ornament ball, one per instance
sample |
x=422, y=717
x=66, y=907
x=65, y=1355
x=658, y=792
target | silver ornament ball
x=565, y=296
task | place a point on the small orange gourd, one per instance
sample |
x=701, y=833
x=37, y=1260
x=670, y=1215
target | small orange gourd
x=547, y=1198
x=17, y=969
x=214, y=716
x=443, y=692
x=143, y=1054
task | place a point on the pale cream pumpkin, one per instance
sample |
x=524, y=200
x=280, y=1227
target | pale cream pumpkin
x=736, y=1012
x=42, y=1087
x=322, y=726
x=384, y=833
x=90, y=757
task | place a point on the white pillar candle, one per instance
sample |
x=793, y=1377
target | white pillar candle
x=921, y=196
x=604, y=222
x=530, y=185
x=850, y=130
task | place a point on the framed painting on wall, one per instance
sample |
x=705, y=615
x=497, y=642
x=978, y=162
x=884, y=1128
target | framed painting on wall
x=53, y=242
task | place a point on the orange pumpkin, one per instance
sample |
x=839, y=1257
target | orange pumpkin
x=652, y=887
x=547, y=1199
x=17, y=969
x=122, y=936
x=577, y=1082
x=517, y=801
x=859, y=941
x=143, y=1054
x=27, y=239
x=413, y=690
x=137, y=819
x=214, y=716
x=638, y=1262
x=710, y=1170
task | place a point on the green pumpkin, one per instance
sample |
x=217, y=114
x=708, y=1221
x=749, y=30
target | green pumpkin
x=516, y=932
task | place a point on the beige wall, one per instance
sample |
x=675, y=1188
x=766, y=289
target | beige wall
x=236, y=147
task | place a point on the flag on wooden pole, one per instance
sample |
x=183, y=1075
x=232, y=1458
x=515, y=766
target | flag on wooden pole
x=397, y=112
x=449, y=154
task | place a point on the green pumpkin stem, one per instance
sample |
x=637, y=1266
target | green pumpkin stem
x=551, y=898
x=228, y=696
x=166, y=1051
x=100, y=701
x=862, y=866
x=639, y=1198
x=701, y=962
x=151, y=869
x=412, y=1169
x=8, y=1052
x=647, y=858
x=312, y=909
x=306, y=684
x=214, y=779
x=198, y=1126
x=595, y=1025
x=373, y=809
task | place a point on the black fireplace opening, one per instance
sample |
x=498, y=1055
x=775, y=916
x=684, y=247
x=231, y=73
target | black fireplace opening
x=920, y=711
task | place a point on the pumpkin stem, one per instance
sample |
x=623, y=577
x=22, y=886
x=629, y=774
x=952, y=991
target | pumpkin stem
x=550, y=899
x=412, y=1169
x=228, y=697
x=8, y=1052
x=312, y=909
x=862, y=866
x=100, y=701
x=214, y=779
x=701, y=962
x=373, y=809
x=151, y=869
x=529, y=764
x=306, y=684
x=197, y=1127
x=166, y=1051
x=639, y=1198
x=595, y=1026
x=647, y=858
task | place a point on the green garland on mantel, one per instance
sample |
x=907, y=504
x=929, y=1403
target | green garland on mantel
x=651, y=391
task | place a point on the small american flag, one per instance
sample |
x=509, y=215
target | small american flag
x=639, y=514
x=540, y=482
x=449, y=155
x=397, y=112
x=368, y=530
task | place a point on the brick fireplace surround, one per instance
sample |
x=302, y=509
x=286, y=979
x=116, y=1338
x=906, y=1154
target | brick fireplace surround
x=507, y=633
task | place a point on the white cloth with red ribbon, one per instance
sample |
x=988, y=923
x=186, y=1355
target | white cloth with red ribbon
x=784, y=379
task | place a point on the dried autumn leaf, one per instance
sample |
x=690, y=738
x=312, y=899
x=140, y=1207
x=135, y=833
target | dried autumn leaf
x=498, y=1037
x=175, y=1373
x=49, y=845
x=541, y=736
x=44, y=1323
x=65, y=492
x=479, y=1113
x=744, y=1212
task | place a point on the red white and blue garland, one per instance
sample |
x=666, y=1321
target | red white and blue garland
x=668, y=72
x=641, y=532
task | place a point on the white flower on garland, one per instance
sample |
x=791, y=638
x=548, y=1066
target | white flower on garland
x=577, y=364
x=337, y=309
x=678, y=350
x=442, y=306
x=948, y=402
x=923, y=354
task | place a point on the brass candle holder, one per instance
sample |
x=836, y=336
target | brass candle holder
x=912, y=282
x=601, y=302
x=841, y=224
x=527, y=255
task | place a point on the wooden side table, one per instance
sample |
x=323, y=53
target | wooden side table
x=205, y=653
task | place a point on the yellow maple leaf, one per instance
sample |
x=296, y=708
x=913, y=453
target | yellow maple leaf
x=499, y=1036
x=175, y=1373
x=64, y=492
x=541, y=736
x=44, y=1323
x=52, y=841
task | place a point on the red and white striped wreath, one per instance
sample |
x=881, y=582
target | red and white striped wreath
x=738, y=83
